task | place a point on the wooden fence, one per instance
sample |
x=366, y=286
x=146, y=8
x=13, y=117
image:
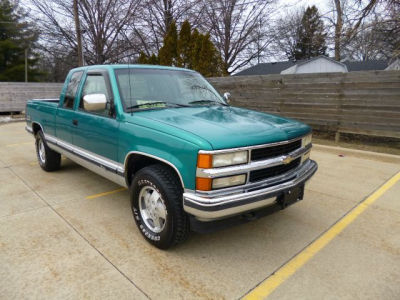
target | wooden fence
x=356, y=102
x=13, y=95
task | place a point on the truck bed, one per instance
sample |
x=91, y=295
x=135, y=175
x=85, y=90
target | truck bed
x=44, y=112
x=46, y=100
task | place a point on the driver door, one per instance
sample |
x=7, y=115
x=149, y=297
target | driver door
x=96, y=131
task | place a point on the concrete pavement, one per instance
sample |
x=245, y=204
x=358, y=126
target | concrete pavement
x=62, y=237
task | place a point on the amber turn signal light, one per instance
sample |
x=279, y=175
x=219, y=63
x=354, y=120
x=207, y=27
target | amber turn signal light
x=204, y=161
x=203, y=184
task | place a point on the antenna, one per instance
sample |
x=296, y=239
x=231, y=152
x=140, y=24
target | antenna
x=130, y=87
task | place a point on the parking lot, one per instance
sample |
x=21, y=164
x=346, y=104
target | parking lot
x=70, y=234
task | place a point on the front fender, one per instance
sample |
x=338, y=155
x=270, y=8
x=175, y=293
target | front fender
x=172, y=150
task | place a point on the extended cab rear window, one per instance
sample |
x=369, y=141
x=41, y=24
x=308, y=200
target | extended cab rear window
x=71, y=89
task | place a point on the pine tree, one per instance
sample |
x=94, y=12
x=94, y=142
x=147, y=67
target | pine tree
x=184, y=45
x=168, y=53
x=311, y=35
x=191, y=50
x=195, y=48
x=16, y=35
x=143, y=58
x=153, y=60
x=205, y=57
x=209, y=62
x=148, y=60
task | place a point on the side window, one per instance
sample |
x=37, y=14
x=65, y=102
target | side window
x=96, y=84
x=71, y=90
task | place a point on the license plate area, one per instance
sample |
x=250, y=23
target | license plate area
x=290, y=196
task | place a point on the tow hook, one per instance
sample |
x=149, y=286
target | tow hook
x=250, y=216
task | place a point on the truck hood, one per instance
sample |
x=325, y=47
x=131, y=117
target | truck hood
x=226, y=126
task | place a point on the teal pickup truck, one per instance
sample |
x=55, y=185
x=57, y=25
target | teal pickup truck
x=190, y=160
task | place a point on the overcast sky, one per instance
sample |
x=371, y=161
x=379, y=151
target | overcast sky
x=322, y=5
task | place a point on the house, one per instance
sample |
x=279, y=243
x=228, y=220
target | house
x=319, y=64
x=395, y=65
x=266, y=68
x=368, y=65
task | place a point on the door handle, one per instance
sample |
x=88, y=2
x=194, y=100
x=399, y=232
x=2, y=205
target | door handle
x=75, y=122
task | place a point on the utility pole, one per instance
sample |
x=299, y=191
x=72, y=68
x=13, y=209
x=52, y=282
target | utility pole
x=258, y=42
x=78, y=34
x=26, y=64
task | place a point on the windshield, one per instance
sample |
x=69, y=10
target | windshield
x=158, y=88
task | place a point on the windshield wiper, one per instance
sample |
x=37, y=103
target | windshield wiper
x=205, y=101
x=157, y=103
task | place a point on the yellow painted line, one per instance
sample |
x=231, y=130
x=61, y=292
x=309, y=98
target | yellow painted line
x=265, y=288
x=18, y=144
x=105, y=193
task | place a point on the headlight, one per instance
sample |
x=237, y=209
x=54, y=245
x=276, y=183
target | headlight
x=228, y=181
x=306, y=140
x=229, y=159
x=207, y=161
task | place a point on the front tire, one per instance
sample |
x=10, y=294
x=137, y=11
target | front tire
x=156, y=201
x=48, y=159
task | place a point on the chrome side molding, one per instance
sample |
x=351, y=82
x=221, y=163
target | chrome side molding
x=86, y=158
x=106, y=163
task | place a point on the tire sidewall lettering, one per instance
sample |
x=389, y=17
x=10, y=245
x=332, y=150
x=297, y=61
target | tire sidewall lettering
x=155, y=237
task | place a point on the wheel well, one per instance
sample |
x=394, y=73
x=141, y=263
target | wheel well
x=36, y=128
x=135, y=162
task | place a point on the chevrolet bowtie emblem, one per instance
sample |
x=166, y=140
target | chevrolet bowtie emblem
x=287, y=160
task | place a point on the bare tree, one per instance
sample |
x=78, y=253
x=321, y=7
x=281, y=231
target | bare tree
x=102, y=26
x=346, y=17
x=78, y=33
x=388, y=28
x=349, y=18
x=285, y=34
x=152, y=24
x=338, y=27
x=235, y=28
x=368, y=44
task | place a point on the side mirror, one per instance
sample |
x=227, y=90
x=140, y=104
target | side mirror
x=94, y=102
x=227, y=95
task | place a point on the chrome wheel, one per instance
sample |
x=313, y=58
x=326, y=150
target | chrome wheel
x=152, y=209
x=42, y=151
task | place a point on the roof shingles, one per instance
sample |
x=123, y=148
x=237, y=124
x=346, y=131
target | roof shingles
x=278, y=67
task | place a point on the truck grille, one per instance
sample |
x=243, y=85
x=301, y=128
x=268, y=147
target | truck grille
x=262, y=174
x=269, y=152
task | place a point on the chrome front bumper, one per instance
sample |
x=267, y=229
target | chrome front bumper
x=207, y=208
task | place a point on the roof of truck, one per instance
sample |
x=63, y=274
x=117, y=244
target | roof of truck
x=134, y=66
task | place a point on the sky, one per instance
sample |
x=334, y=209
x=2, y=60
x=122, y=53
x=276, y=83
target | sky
x=322, y=5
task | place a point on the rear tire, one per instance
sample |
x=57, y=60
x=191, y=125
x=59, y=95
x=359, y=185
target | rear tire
x=156, y=202
x=48, y=159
